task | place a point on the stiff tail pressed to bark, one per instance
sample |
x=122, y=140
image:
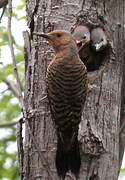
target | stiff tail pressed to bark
x=68, y=159
x=66, y=91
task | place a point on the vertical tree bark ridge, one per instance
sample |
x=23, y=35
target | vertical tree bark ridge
x=122, y=113
x=101, y=116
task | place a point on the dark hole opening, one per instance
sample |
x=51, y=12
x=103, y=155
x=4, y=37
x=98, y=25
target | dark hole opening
x=94, y=177
x=92, y=59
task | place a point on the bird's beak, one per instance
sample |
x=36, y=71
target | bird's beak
x=44, y=35
x=80, y=44
x=97, y=46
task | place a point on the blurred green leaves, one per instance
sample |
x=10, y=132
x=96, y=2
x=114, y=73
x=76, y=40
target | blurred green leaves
x=3, y=36
x=10, y=109
x=122, y=174
x=8, y=160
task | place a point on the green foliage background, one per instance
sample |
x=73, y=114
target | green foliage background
x=10, y=109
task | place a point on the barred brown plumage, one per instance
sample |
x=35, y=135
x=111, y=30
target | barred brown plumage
x=66, y=91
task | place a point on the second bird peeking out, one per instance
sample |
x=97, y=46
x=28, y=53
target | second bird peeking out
x=98, y=39
x=95, y=36
x=91, y=43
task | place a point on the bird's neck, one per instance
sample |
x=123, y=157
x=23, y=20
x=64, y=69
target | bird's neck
x=67, y=50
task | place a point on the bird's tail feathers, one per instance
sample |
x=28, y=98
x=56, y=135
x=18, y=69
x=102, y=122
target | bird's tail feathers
x=68, y=158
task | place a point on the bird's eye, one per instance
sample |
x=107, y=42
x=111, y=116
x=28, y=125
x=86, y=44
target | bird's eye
x=84, y=37
x=101, y=39
x=58, y=35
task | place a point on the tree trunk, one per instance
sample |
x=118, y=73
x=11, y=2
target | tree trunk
x=99, y=129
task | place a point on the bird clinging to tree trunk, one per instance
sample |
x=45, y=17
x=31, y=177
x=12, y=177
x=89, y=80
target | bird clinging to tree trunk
x=66, y=91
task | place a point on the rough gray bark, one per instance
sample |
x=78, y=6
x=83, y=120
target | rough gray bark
x=99, y=129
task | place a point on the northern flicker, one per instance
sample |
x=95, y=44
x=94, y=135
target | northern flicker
x=93, y=51
x=98, y=39
x=82, y=35
x=66, y=91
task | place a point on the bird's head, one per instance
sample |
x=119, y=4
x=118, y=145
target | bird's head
x=82, y=35
x=58, y=39
x=98, y=39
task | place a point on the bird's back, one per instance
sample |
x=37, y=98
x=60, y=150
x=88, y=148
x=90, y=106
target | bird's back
x=66, y=87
